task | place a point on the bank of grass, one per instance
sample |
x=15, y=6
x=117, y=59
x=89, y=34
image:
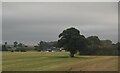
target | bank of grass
x=56, y=61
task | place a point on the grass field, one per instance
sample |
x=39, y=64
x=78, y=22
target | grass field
x=57, y=61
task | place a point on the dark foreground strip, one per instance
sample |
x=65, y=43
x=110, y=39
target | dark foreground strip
x=60, y=72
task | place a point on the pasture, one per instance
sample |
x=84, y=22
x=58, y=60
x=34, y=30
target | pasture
x=56, y=61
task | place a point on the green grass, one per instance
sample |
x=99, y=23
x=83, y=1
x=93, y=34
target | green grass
x=57, y=61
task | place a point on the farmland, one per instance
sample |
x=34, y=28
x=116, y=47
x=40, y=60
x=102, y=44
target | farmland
x=56, y=61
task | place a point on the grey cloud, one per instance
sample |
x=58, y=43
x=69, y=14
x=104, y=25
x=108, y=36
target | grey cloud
x=28, y=22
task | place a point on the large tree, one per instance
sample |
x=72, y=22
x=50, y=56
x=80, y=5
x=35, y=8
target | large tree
x=71, y=40
x=93, y=40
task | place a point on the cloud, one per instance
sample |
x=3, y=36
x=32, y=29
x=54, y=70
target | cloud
x=31, y=21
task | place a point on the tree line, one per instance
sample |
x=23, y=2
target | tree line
x=72, y=41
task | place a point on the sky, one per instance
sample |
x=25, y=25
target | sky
x=31, y=22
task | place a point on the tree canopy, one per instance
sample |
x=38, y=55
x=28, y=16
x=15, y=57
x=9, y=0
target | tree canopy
x=93, y=40
x=71, y=40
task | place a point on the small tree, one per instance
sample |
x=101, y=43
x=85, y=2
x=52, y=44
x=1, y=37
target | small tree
x=71, y=40
x=4, y=47
x=5, y=43
x=40, y=46
x=21, y=47
x=15, y=43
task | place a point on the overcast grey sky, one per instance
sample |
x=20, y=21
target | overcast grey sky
x=31, y=22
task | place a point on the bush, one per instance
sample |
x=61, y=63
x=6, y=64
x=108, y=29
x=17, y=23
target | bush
x=17, y=50
x=23, y=50
x=39, y=50
x=12, y=51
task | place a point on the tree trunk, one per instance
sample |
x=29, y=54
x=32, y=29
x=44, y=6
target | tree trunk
x=72, y=55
